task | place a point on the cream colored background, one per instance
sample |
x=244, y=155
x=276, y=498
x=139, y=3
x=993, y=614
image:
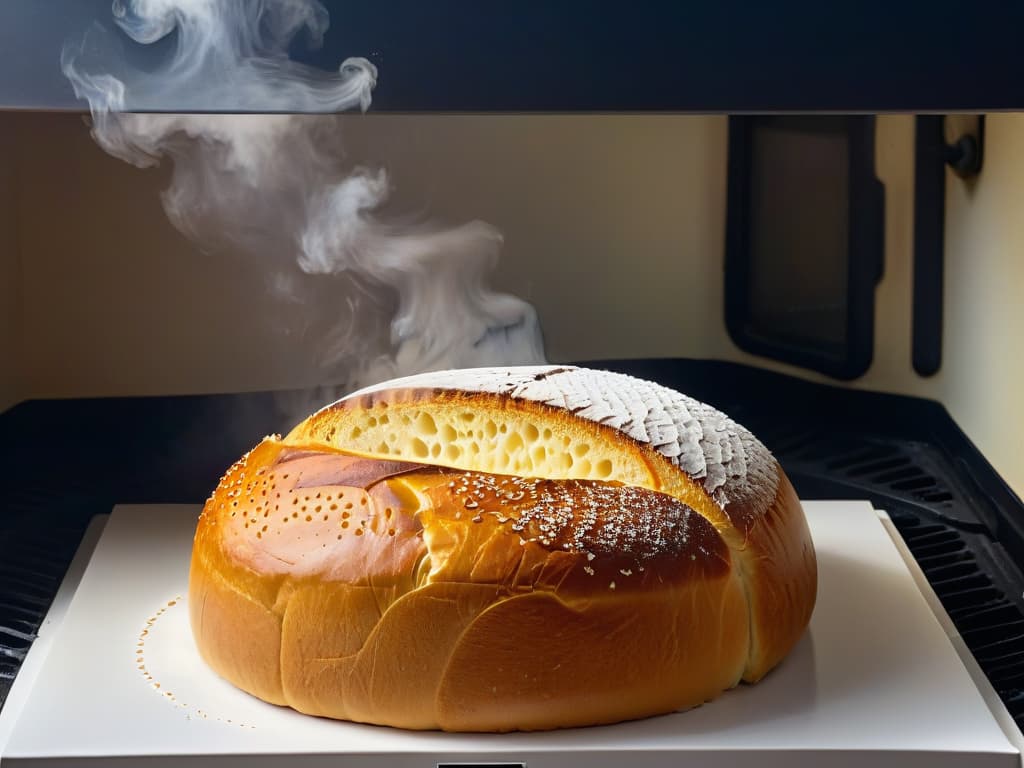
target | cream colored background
x=614, y=230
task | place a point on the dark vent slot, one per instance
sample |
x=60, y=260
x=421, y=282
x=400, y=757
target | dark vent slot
x=1000, y=648
x=9, y=611
x=928, y=535
x=978, y=591
x=922, y=481
x=931, y=556
x=842, y=462
x=928, y=562
x=27, y=592
x=1007, y=678
x=967, y=600
x=954, y=586
x=13, y=653
x=1011, y=663
x=8, y=667
x=887, y=477
x=957, y=602
x=940, y=548
x=947, y=586
x=956, y=571
x=878, y=466
x=990, y=623
x=938, y=497
x=17, y=627
x=14, y=640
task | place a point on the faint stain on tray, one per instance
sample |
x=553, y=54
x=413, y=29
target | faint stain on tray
x=190, y=710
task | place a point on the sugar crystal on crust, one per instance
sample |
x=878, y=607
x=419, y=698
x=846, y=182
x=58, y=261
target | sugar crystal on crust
x=582, y=516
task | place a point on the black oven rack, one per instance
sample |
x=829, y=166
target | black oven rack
x=69, y=460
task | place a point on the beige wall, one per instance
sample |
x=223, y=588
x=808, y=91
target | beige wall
x=614, y=229
x=983, y=378
x=116, y=301
x=10, y=278
x=612, y=225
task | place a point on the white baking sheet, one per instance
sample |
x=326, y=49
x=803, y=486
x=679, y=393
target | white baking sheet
x=875, y=681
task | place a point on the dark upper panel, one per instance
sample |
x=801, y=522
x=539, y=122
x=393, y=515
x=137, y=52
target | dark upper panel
x=584, y=55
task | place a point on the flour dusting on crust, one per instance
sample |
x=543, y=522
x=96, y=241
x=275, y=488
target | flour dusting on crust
x=730, y=462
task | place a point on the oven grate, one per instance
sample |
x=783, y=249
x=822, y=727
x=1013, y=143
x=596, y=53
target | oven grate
x=990, y=623
x=913, y=474
x=942, y=517
x=33, y=560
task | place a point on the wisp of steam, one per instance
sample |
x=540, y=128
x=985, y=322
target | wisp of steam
x=275, y=183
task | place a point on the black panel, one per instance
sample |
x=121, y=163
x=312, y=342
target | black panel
x=934, y=149
x=76, y=458
x=804, y=240
x=577, y=55
x=929, y=243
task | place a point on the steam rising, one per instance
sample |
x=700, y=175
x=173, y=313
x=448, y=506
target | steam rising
x=277, y=183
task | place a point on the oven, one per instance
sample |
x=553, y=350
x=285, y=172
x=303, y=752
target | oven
x=806, y=216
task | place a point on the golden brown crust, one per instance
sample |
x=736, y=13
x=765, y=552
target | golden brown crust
x=387, y=610
x=780, y=569
x=435, y=557
x=249, y=658
x=598, y=662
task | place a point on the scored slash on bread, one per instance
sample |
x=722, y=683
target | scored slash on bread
x=558, y=422
x=569, y=422
x=546, y=524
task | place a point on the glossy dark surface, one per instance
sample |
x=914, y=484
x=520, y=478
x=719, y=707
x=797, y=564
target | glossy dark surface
x=576, y=55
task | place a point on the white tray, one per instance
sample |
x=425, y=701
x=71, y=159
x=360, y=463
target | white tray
x=876, y=681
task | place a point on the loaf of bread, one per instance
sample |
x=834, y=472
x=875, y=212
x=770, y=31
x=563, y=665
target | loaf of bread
x=502, y=549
